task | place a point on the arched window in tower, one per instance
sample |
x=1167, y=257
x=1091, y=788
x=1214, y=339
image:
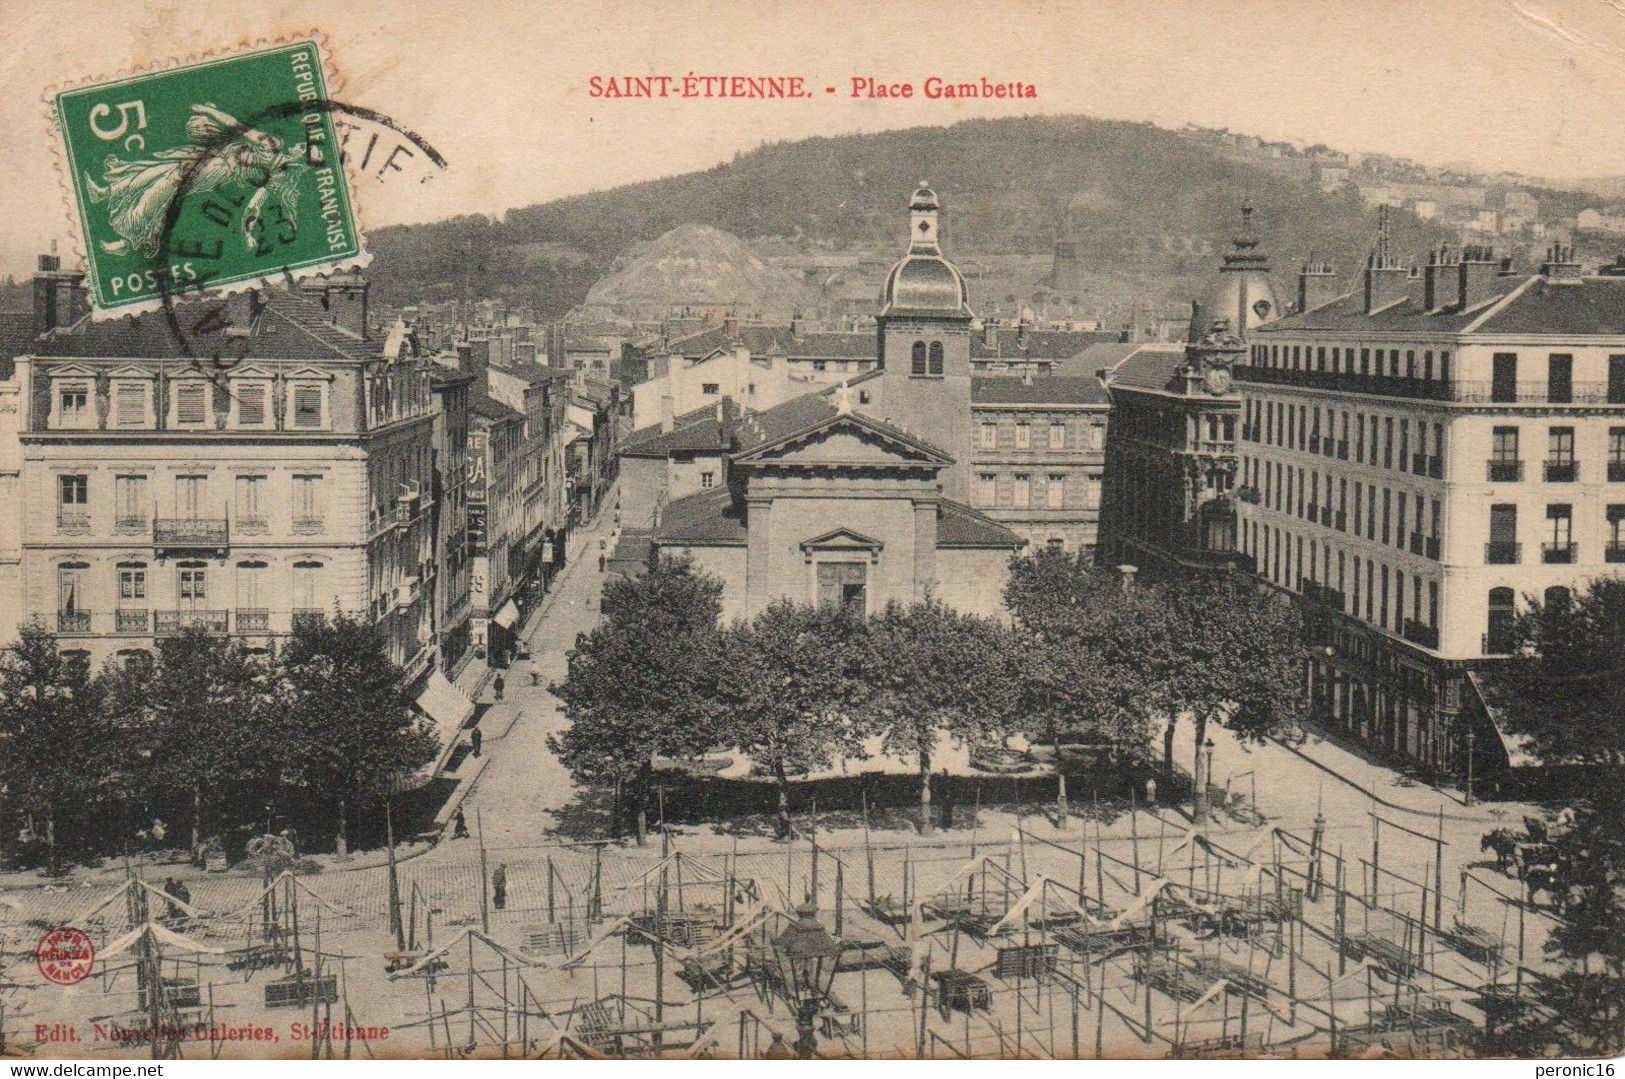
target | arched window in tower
x=936, y=357
x=918, y=366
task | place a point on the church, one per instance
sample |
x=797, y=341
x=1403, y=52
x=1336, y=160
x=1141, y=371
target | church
x=856, y=495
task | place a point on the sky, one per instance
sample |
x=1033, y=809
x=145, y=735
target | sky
x=502, y=89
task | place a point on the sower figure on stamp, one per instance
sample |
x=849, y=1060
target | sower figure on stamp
x=499, y=886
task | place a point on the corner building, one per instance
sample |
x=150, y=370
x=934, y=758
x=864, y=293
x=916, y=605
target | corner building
x=1420, y=454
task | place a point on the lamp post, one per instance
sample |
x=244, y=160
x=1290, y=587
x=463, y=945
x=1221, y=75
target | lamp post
x=1471, y=738
x=806, y=955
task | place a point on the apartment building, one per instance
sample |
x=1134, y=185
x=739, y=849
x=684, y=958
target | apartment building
x=1038, y=455
x=1421, y=454
x=288, y=475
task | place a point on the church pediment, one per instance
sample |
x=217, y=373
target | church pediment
x=847, y=440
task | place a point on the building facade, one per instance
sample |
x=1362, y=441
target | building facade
x=290, y=480
x=1418, y=456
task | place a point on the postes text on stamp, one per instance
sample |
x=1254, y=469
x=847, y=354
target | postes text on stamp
x=205, y=176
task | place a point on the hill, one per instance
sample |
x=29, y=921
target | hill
x=693, y=265
x=1137, y=199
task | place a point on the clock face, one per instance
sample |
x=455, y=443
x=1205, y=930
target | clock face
x=1218, y=380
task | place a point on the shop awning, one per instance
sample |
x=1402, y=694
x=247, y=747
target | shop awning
x=1501, y=703
x=448, y=709
x=508, y=615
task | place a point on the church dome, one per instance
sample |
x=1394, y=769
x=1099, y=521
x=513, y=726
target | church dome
x=924, y=281
x=1243, y=294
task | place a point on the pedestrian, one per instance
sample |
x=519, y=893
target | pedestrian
x=602, y=562
x=459, y=828
x=182, y=892
x=172, y=889
x=475, y=739
x=499, y=887
x=535, y=675
x=947, y=800
x=1150, y=791
x=498, y=686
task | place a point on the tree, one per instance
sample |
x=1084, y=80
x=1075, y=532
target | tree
x=936, y=673
x=1224, y=650
x=202, y=719
x=640, y=684
x=1571, y=677
x=791, y=690
x=345, y=718
x=54, y=743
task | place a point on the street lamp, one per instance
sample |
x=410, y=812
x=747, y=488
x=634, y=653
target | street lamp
x=806, y=955
x=1471, y=738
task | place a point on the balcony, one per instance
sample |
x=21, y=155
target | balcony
x=309, y=526
x=1502, y=553
x=132, y=620
x=169, y=623
x=130, y=525
x=1417, y=633
x=1342, y=449
x=191, y=534
x=1614, y=551
x=1314, y=443
x=1416, y=543
x=1419, y=463
x=308, y=617
x=1561, y=471
x=72, y=523
x=1433, y=548
x=1500, y=471
x=1532, y=393
x=1616, y=471
x=1436, y=468
x=1249, y=495
x=1558, y=554
x=1341, y=520
x=1326, y=516
x=253, y=526
x=73, y=621
x=1496, y=643
x=253, y=620
x=1315, y=592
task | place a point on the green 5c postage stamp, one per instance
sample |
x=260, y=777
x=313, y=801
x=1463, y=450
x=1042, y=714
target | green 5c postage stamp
x=205, y=176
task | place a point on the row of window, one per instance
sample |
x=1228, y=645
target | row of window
x=925, y=360
x=1347, y=360
x=196, y=588
x=1506, y=465
x=1055, y=436
x=1375, y=440
x=1312, y=496
x=191, y=405
x=133, y=505
x=1020, y=488
x=1557, y=546
x=1381, y=594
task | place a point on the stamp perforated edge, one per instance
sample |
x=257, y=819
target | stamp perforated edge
x=74, y=228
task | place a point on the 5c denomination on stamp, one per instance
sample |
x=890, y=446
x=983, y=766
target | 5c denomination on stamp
x=208, y=175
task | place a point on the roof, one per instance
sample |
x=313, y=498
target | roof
x=282, y=325
x=1148, y=369
x=698, y=431
x=762, y=340
x=1044, y=390
x=1501, y=704
x=960, y=526
x=1105, y=354
x=709, y=518
x=16, y=338
x=712, y=519
x=488, y=407
x=1011, y=343
x=1594, y=305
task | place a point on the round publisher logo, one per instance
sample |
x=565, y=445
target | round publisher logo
x=65, y=955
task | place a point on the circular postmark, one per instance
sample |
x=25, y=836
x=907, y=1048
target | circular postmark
x=65, y=955
x=371, y=144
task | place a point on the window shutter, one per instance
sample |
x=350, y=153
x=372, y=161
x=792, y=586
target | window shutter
x=251, y=404
x=191, y=405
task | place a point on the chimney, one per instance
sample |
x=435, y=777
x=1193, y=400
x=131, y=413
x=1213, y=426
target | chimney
x=1317, y=284
x=1479, y=273
x=798, y=325
x=1560, y=264
x=990, y=333
x=1385, y=278
x=1127, y=572
x=1441, y=283
x=668, y=417
x=730, y=326
x=59, y=295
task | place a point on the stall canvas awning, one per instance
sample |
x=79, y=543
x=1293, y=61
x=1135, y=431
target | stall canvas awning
x=1500, y=702
x=508, y=615
x=448, y=709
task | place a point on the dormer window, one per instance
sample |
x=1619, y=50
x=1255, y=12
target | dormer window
x=250, y=403
x=72, y=408
x=307, y=406
x=189, y=405
x=132, y=404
